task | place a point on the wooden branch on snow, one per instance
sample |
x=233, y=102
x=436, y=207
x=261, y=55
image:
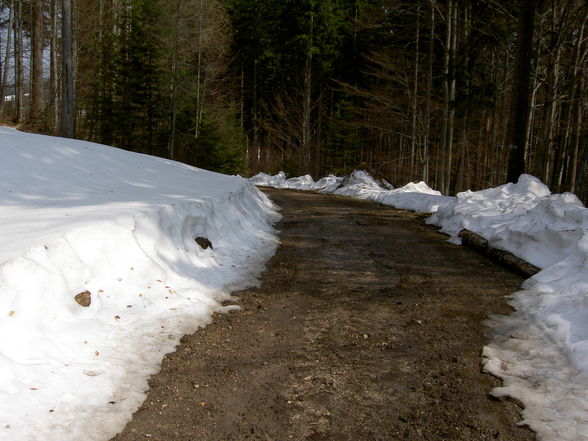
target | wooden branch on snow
x=480, y=244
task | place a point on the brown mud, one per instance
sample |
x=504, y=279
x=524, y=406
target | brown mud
x=367, y=326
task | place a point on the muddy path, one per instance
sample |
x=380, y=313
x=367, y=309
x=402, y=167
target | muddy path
x=367, y=326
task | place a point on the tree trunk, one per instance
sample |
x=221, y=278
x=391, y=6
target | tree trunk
x=445, y=132
x=575, y=177
x=255, y=113
x=67, y=107
x=554, y=149
x=37, y=101
x=307, y=105
x=460, y=178
x=199, y=75
x=174, y=80
x=452, y=89
x=53, y=75
x=520, y=108
x=18, y=64
x=461, y=164
x=577, y=104
x=6, y=58
x=427, y=140
x=414, y=104
x=480, y=244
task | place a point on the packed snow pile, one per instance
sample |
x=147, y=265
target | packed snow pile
x=541, y=350
x=105, y=264
x=280, y=181
x=523, y=218
x=360, y=184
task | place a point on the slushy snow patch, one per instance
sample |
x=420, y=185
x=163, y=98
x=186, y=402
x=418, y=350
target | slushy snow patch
x=81, y=217
x=541, y=350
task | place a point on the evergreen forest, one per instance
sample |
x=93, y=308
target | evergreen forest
x=463, y=94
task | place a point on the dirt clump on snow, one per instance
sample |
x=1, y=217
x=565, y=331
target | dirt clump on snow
x=367, y=326
x=84, y=299
x=203, y=242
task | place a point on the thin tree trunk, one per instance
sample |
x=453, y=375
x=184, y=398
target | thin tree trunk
x=18, y=64
x=6, y=58
x=174, y=105
x=199, y=85
x=449, y=93
x=427, y=140
x=462, y=137
x=53, y=76
x=255, y=112
x=413, y=123
x=37, y=101
x=445, y=118
x=577, y=99
x=67, y=107
x=529, y=139
x=452, y=89
x=307, y=104
x=575, y=177
x=520, y=108
x=553, y=150
x=242, y=99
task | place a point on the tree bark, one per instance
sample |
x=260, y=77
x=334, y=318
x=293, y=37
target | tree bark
x=6, y=58
x=480, y=244
x=18, y=65
x=174, y=84
x=520, y=108
x=307, y=105
x=460, y=183
x=427, y=140
x=53, y=75
x=577, y=105
x=452, y=92
x=199, y=74
x=37, y=101
x=414, y=104
x=445, y=132
x=576, y=178
x=67, y=107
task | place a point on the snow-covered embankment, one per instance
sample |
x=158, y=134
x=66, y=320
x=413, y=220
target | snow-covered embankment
x=120, y=228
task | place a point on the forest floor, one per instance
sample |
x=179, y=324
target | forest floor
x=368, y=325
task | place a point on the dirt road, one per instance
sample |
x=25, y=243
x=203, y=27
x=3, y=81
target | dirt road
x=367, y=326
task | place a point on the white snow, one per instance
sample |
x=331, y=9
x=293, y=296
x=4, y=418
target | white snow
x=360, y=184
x=78, y=216
x=541, y=350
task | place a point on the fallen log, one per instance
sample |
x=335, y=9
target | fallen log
x=480, y=244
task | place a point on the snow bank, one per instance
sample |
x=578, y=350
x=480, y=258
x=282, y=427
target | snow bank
x=360, y=184
x=119, y=229
x=523, y=218
x=328, y=184
x=541, y=350
x=280, y=181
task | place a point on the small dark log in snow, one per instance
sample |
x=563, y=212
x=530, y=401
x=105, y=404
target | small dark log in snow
x=480, y=244
x=84, y=298
x=203, y=242
x=471, y=239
